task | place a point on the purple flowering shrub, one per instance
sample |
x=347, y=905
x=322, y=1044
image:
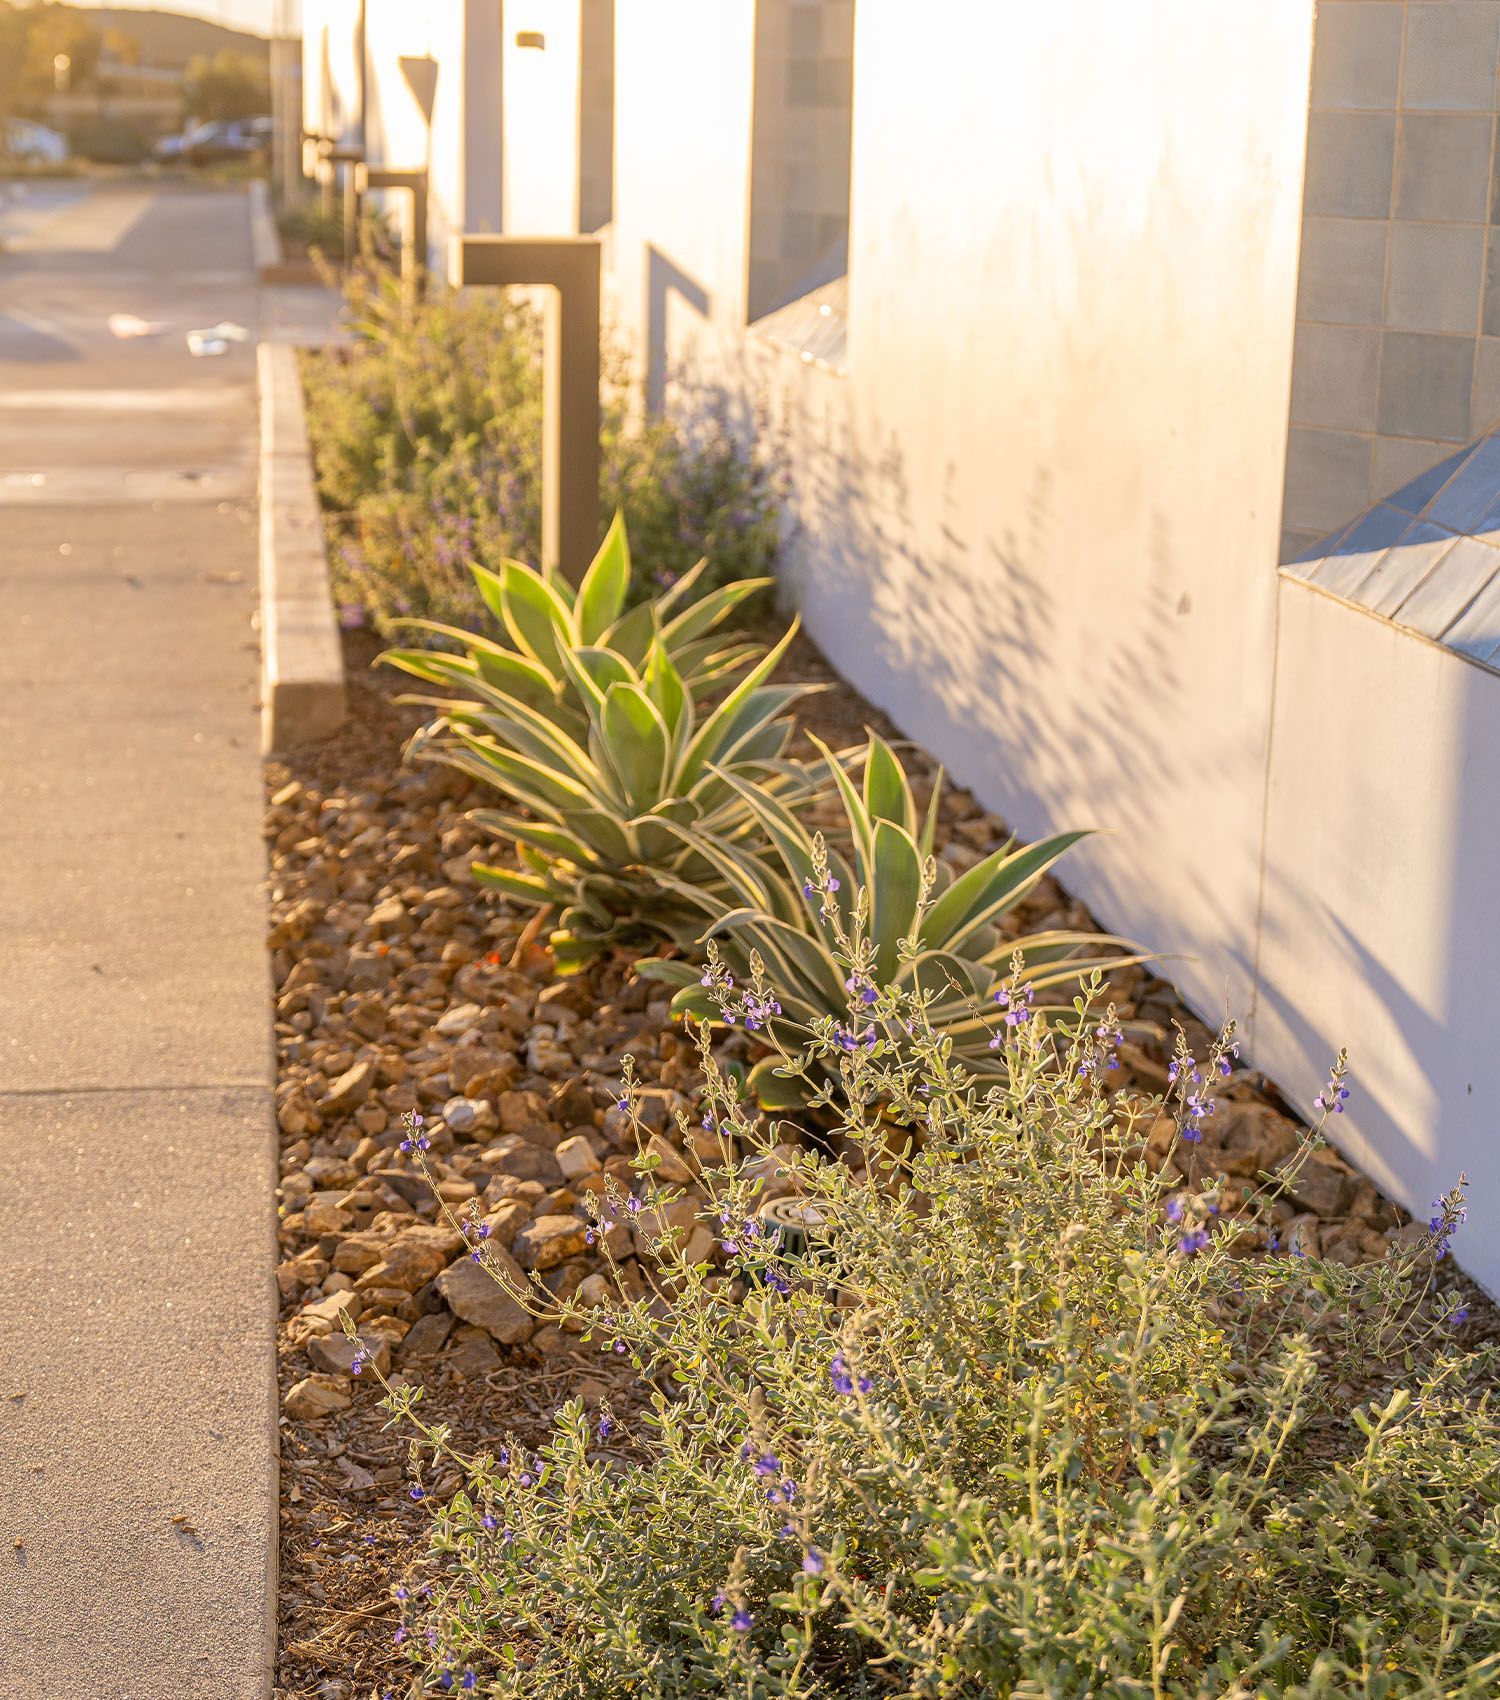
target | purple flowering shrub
x=1017, y=1415
x=426, y=438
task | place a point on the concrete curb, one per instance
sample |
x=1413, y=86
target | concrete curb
x=302, y=664
x=265, y=239
x=270, y=261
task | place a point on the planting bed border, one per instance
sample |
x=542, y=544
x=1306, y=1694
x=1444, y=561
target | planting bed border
x=303, y=696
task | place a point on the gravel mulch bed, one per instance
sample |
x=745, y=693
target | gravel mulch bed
x=401, y=986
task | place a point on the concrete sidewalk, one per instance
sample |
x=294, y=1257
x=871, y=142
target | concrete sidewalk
x=137, y=1397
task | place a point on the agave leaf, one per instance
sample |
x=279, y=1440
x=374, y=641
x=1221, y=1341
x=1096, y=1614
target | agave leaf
x=774, y=1091
x=601, y=828
x=516, y=675
x=711, y=731
x=929, y=825
x=668, y=970
x=535, y=615
x=634, y=741
x=860, y=830
x=601, y=596
x=491, y=589
x=540, y=787
x=711, y=610
x=665, y=688
x=631, y=635
x=976, y=896
x=432, y=665
x=528, y=890
x=796, y=959
x=887, y=796
x=894, y=895
x=554, y=841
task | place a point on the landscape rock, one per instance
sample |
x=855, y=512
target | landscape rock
x=548, y=1240
x=351, y=1088
x=316, y=1396
x=335, y=1353
x=474, y=1295
x=1317, y=1185
x=576, y=1158
x=426, y=1337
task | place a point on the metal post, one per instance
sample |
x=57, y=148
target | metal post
x=569, y=266
x=414, y=248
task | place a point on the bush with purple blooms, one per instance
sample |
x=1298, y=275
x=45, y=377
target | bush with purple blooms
x=1022, y=1416
x=426, y=437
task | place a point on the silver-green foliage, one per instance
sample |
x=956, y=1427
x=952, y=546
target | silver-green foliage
x=1014, y=1426
x=601, y=727
x=563, y=641
x=879, y=897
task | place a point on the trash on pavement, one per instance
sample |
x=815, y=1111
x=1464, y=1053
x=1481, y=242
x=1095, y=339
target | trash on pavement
x=216, y=339
x=125, y=325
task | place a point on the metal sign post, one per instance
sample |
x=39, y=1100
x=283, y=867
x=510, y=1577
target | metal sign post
x=569, y=266
x=414, y=248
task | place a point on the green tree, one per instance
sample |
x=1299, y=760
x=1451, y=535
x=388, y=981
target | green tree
x=227, y=86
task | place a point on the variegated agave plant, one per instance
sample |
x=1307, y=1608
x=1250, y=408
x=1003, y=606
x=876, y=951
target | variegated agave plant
x=881, y=898
x=561, y=637
x=616, y=771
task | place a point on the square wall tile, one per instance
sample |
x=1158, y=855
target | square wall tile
x=1484, y=407
x=1400, y=461
x=1349, y=158
x=1491, y=322
x=1335, y=377
x=1327, y=480
x=1424, y=386
x=1341, y=275
x=1443, y=165
x=1357, y=56
x=1434, y=278
x=1451, y=50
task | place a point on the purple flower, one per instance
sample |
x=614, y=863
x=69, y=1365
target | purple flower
x=778, y=1282
x=606, y=1426
x=1016, y=1002
x=716, y=1605
x=351, y=616
x=488, y=1524
x=417, y=1493
x=741, y=1620
x=813, y=1562
x=768, y=1464
x=1193, y=1241
x=843, y=1381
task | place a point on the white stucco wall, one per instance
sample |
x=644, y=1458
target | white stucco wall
x=1042, y=527
x=1381, y=904
x=461, y=147
x=541, y=117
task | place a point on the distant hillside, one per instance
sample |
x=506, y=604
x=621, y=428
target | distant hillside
x=170, y=38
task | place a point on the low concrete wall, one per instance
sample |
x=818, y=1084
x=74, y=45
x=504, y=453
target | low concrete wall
x=1379, y=920
x=302, y=665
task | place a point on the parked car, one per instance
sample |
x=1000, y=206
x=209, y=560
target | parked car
x=214, y=142
x=31, y=143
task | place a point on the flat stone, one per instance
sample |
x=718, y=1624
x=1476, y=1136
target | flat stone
x=351, y=1088
x=478, y=1298
x=1318, y=1186
x=548, y=1240
x=426, y=1337
x=575, y=1157
x=334, y=1354
x=458, y=1020
x=316, y=1396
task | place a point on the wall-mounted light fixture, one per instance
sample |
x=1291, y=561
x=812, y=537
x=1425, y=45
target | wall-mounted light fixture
x=530, y=38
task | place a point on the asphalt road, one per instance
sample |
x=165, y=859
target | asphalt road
x=137, y=1399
